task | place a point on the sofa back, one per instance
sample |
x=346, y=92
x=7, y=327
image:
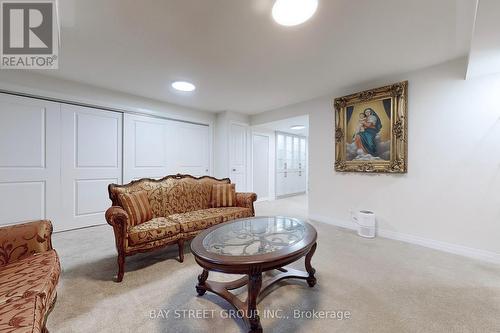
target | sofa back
x=172, y=194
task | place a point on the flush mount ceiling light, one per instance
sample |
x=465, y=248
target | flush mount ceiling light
x=293, y=12
x=297, y=127
x=183, y=86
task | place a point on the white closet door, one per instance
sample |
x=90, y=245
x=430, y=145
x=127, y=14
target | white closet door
x=303, y=166
x=280, y=152
x=29, y=159
x=281, y=183
x=155, y=147
x=291, y=169
x=281, y=163
x=145, y=147
x=237, y=156
x=91, y=159
x=191, y=148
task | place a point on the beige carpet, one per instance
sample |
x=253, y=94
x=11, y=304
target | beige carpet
x=387, y=286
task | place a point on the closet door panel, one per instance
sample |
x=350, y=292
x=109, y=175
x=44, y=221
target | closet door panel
x=29, y=159
x=91, y=160
x=281, y=182
x=144, y=147
x=192, y=153
x=155, y=147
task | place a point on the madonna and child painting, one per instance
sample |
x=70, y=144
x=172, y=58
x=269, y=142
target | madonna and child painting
x=368, y=127
x=370, y=131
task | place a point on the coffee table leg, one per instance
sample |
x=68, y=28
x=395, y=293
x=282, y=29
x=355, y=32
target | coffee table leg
x=254, y=285
x=200, y=287
x=311, y=280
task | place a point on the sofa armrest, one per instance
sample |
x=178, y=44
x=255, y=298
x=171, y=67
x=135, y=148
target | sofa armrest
x=20, y=241
x=246, y=200
x=117, y=217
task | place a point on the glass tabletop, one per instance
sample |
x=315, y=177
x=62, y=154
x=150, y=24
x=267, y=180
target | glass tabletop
x=255, y=236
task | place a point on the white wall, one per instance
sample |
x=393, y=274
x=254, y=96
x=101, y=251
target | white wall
x=449, y=199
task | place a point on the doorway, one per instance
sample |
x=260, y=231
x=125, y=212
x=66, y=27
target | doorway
x=279, y=166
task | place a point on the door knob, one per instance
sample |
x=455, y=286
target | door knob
x=234, y=169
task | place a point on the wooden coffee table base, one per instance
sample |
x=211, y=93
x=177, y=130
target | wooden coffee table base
x=256, y=286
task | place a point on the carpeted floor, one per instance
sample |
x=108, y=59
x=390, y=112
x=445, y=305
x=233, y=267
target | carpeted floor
x=385, y=285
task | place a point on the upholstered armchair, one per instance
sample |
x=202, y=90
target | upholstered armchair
x=20, y=241
x=29, y=272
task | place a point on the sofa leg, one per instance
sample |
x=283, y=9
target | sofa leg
x=121, y=267
x=180, y=243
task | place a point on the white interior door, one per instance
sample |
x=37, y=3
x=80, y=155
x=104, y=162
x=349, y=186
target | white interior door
x=237, y=156
x=29, y=160
x=91, y=159
x=260, y=165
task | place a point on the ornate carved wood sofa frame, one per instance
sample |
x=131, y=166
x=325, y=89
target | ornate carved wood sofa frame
x=29, y=273
x=182, y=208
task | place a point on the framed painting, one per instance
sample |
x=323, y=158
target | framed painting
x=371, y=130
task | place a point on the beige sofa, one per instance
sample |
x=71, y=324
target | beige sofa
x=29, y=272
x=181, y=207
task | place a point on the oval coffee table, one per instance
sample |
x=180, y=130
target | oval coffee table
x=252, y=246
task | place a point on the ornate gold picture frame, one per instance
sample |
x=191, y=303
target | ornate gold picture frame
x=371, y=130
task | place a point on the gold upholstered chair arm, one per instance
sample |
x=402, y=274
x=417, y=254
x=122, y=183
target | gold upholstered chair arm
x=20, y=241
x=246, y=200
x=118, y=218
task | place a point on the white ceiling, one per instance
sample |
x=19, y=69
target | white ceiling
x=240, y=59
x=285, y=124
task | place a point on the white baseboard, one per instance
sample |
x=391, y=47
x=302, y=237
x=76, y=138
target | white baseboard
x=430, y=243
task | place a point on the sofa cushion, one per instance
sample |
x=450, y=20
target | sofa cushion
x=137, y=207
x=185, y=195
x=37, y=274
x=22, y=315
x=223, y=195
x=202, y=219
x=154, y=229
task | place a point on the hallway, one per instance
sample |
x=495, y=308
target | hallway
x=295, y=206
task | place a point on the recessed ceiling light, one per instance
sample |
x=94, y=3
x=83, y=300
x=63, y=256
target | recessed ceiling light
x=183, y=86
x=297, y=127
x=293, y=12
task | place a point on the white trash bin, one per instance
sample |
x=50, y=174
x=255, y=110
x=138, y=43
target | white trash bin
x=366, y=223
